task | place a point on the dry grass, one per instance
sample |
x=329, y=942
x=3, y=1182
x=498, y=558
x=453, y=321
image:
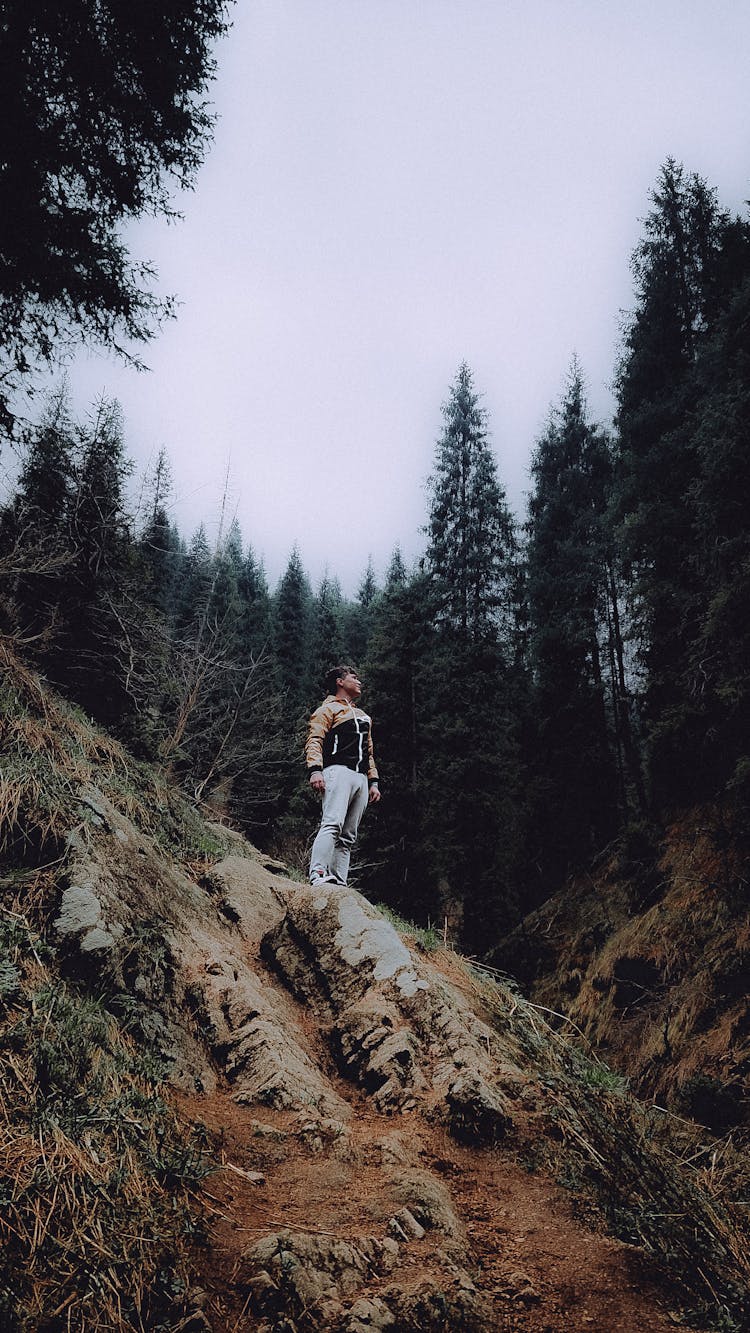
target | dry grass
x=653, y=1176
x=96, y=1219
x=96, y=1222
x=659, y=985
x=50, y=754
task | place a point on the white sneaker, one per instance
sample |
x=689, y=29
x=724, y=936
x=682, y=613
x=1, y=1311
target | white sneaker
x=322, y=877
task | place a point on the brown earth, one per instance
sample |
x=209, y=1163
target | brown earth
x=544, y=1272
x=538, y=1267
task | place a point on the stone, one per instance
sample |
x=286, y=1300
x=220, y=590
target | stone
x=369, y=1315
x=249, y=891
x=411, y=1226
x=81, y=918
x=427, y=1199
x=97, y=940
x=518, y=1286
x=396, y=1229
x=253, y=1043
x=363, y=936
x=477, y=1113
x=80, y=910
x=331, y=1312
x=391, y=1249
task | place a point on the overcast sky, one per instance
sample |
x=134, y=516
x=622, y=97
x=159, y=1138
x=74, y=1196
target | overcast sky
x=396, y=186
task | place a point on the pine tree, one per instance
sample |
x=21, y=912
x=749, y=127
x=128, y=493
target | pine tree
x=269, y=765
x=195, y=584
x=257, y=628
x=225, y=602
x=567, y=555
x=396, y=572
x=469, y=708
x=394, y=670
x=88, y=658
x=368, y=588
x=160, y=558
x=45, y=480
x=237, y=747
x=34, y=536
x=356, y=618
x=104, y=112
x=292, y=614
x=716, y=676
x=471, y=550
x=159, y=548
x=326, y=639
x=192, y=663
x=685, y=271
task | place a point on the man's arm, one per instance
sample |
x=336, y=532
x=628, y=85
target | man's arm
x=372, y=772
x=318, y=728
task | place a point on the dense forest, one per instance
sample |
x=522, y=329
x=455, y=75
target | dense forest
x=539, y=687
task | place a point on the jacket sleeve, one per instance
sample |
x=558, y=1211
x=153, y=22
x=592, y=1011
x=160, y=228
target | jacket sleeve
x=372, y=772
x=318, y=728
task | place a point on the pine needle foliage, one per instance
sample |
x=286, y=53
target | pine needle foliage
x=105, y=114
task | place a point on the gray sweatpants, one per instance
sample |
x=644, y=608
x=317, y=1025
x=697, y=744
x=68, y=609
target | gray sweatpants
x=344, y=802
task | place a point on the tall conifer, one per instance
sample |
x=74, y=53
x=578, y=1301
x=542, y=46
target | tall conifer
x=292, y=615
x=470, y=773
x=471, y=548
x=685, y=269
x=89, y=659
x=567, y=566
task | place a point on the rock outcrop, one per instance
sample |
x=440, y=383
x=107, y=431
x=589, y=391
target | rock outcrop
x=395, y=1026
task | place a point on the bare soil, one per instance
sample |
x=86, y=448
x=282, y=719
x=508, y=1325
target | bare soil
x=544, y=1269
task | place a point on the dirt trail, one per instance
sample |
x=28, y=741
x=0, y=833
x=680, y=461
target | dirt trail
x=540, y=1269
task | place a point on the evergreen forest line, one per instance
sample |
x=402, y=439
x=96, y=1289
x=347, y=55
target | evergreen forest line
x=539, y=688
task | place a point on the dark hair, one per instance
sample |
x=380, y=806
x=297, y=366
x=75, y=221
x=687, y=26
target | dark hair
x=334, y=674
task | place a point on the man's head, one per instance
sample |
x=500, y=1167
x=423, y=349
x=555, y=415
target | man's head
x=343, y=680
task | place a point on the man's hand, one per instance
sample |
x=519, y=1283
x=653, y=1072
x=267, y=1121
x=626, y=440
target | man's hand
x=374, y=796
x=317, y=782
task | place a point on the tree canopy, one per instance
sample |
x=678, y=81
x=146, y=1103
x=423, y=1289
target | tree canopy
x=104, y=114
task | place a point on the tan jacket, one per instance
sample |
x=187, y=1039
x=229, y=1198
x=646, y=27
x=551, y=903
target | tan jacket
x=340, y=733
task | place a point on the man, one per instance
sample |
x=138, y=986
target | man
x=342, y=770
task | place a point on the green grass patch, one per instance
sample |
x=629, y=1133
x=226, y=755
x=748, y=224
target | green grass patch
x=425, y=937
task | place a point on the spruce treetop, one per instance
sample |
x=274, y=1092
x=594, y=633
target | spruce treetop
x=472, y=545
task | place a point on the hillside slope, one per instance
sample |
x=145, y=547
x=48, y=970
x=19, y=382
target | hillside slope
x=231, y=1101
x=650, y=959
